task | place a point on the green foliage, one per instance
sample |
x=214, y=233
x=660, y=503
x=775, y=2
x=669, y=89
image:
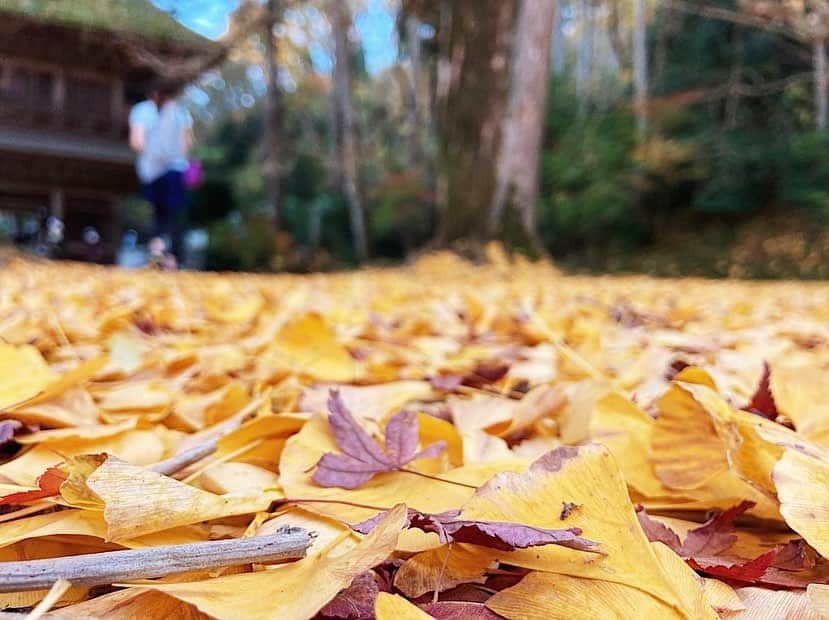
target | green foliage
x=804, y=177
x=240, y=243
x=738, y=172
x=401, y=214
x=588, y=175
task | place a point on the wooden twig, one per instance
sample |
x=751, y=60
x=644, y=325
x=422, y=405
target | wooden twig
x=179, y=461
x=95, y=569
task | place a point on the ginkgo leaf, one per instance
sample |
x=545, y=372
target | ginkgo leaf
x=141, y=447
x=443, y=568
x=131, y=604
x=686, y=450
x=393, y=607
x=540, y=596
x=24, y=374
x=763, y=604
x=306, y=344
x=802, y=482
x=362, y=456
x=373, y=402
x=137, y=501
x=819, y=599
x=588, y=477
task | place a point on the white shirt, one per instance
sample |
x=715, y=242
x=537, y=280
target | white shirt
x=164, y=148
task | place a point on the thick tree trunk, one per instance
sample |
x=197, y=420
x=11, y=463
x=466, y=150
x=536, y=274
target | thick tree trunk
x=344, y=115
x=412, y=103
x=821, y=84
x=472, y=116
x=273, y=117
x=584, y=60
x=519, y=161
x=640, y=65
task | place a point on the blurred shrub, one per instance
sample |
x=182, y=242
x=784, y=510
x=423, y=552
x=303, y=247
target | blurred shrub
x=240, y=242
x=738, y=171
x=211, y=202
x=804, y=173
x=401, y=215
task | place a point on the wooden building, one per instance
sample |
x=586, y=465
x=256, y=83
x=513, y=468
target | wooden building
x=69, y=72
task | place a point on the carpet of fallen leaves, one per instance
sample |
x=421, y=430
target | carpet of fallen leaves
x=465, y=442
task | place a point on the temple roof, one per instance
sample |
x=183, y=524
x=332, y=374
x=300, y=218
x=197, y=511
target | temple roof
x=135, y=17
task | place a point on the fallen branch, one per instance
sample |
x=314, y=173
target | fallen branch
x=179, y=461
x=110, y=567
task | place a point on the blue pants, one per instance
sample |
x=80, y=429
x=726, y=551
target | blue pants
x=168, y=195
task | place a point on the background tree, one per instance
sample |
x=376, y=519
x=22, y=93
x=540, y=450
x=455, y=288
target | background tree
x=478, y=41
x=640, y=64
x=348, y=172
x=273, y=152
x=517, y=180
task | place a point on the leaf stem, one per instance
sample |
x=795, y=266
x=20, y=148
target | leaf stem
x=341, y=502
x=438, y=478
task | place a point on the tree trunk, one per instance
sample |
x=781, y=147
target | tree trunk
x=412, y=107
x=558, y=47
x=614, y=33
x=344, y=115
x=584, y=60
x=732, y=102
x=820, y=83
x=472, y=116
x=520, y=155
x=640, y=65
x=273, y=117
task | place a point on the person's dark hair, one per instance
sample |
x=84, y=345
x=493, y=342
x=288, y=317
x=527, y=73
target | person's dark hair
x=163, y=89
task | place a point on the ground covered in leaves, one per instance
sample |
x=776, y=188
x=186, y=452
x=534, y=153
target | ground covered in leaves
x=463, y=442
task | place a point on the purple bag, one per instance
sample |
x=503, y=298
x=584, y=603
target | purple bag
x=194, y=175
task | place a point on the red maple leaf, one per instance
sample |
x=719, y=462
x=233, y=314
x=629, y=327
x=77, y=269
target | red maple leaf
x=762, y=402
x=735, y=569
x=704, y=547
x=493, y=534
x=363, y=457
x=49, y=483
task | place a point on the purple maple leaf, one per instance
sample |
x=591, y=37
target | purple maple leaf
x=362, y=456
x=459, y=610
x=715, y=535
x=356, y=602
x=657, y=531
x=493, y=534
x=8, y=429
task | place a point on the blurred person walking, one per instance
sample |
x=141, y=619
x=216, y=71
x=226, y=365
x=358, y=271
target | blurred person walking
x=161, y=133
